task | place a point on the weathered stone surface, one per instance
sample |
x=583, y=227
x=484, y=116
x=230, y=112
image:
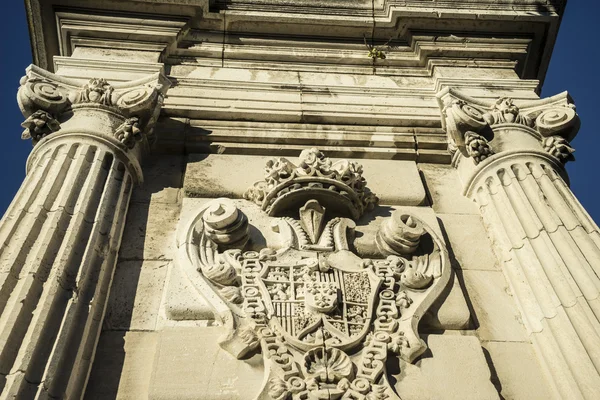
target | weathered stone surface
x=123, y=366
x=518, y=372
x=496, y=315
x=136, y=295
x=219, y=175
x=150, y=231
x=430, y=379
x=190, y=364
x=445, y=190
x=163, y=179
x=271, y=82
x=182, y=301
x=469, y=242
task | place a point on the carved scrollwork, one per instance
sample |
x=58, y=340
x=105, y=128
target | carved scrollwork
x=471, y=122
x=461, y=117
x=37, y=93
x=138, y=101
x=314, y=302
x=557, y=120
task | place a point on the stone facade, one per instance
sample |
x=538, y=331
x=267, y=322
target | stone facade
x=264, y=199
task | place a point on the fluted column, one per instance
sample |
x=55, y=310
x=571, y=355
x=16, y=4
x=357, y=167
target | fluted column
x=60, y=236
x=510, y=160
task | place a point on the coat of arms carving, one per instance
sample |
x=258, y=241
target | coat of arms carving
x=325, y=320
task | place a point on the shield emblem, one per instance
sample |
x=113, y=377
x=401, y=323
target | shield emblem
x=315, y=301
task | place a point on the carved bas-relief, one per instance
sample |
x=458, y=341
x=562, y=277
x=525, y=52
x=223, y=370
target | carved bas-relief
x=325, y=320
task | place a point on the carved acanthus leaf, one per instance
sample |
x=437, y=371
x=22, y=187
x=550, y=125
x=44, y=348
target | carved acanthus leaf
x=504, y=111
x=559, y=147
x=477, y=147
x=39, y=125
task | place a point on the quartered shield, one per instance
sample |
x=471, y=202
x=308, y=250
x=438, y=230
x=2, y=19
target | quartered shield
x=318, y=299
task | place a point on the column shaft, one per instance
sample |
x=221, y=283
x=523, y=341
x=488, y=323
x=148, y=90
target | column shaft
x=550, y=251
x=58, y=247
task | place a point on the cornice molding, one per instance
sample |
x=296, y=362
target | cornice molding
x=534, y=21
x=89, y=28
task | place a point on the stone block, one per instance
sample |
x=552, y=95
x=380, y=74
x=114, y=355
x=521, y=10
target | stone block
x=496, y=313
x=223, y=175
x=170, y=135
x=518, y=373
x=163, y=179
x=135, y=295
x=445, y=190
x=469, y=242
x=190, y=364
x=217, y=175
x=123, y=366
x=150, y=231
x=183, y=302
x=454, y=367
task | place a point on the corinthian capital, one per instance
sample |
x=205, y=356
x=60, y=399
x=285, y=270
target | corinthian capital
x=48, y=100
x=497, y=121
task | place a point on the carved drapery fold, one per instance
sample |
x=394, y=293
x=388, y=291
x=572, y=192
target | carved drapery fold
x=547, y=244
x=60, y=237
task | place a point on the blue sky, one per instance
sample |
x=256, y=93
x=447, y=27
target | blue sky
x=573, y=68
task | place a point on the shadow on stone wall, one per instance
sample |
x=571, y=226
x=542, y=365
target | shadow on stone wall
x=125, y=352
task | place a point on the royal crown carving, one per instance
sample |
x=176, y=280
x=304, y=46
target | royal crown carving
x=287, y=185
x=326, y=321
x=471, y=123
x=46, y=99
